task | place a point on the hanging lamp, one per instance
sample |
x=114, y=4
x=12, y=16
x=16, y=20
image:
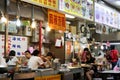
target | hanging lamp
x=18, y=22
x=3, y=18
x=33, y=24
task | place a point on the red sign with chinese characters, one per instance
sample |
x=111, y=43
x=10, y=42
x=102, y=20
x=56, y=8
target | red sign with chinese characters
x=68, y=47
x=56, y=20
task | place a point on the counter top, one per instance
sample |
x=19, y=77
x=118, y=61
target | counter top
x=35, y=73
x=74, y=67
x=24, y=75
x=110, y=71
x=46, y=69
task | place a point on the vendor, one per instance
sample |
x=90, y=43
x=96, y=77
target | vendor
x=34, y=60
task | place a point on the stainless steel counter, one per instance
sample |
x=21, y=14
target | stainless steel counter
x=35, y=73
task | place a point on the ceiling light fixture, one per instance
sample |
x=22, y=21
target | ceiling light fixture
x=33, y=24
x=68, y=22
x=117, y=3
x=69, y=16
x=3, y=18
x=18, y=22
x=48, y=28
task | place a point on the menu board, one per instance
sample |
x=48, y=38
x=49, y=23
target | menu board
x=106, y=15
x=45, y=3
x=81, y=8
x=17, y=43
x=119, y=21
x=56, y=20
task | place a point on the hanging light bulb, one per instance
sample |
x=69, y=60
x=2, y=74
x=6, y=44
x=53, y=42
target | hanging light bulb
x=18, y=22
x=102, y=47
x=33, y=25
x=48, y=28
x=95, y=47
x=3, y=19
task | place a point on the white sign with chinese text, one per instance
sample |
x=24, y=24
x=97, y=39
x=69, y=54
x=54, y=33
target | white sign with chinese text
x=17, y=43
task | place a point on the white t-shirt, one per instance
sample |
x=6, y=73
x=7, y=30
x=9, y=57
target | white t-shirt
x=34, y=62
x=12, y=61
x=2, y=62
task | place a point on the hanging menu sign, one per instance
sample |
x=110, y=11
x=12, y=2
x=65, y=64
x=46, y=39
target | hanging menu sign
x=17, y=43
x=56, y=20
x=106, y=15
x=80, y=8
x=45, y=3
x=119, y=21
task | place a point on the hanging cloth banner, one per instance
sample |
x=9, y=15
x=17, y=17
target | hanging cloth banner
x=56, y=20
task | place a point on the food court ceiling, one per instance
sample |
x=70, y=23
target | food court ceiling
x=114, y=3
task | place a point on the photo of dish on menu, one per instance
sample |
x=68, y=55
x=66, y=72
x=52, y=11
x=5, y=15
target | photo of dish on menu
x=72, y=7
x=76, y=1
x=87, y=9
x=67, y=5
x=81, y=8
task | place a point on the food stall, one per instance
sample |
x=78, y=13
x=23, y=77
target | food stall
x=65, y=48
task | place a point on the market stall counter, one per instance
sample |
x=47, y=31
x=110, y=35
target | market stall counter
x=38, y=74
x=105, y=74
x=74, y=73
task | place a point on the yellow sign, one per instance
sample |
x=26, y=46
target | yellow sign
x=80, y=8
x=56, y=20
x=45, y=3
x=48, y=3
x=53, y=77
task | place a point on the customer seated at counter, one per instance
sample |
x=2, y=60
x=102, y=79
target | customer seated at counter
x=48, y=59
x=90, y=60
x=74, y=59
x=12, y=59
x=2, y=62
x=34, y=61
